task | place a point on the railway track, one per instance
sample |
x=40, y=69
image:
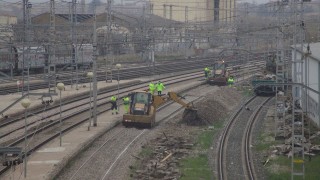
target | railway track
x=128, y=73
x=236, y=155
x=13, y=125
x=116, y=142
x=247, y=141
x=77, y=117
x=72, y=106
x=74, y=111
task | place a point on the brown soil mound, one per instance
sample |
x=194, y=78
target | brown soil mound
x=191, y=117
x=214, y=107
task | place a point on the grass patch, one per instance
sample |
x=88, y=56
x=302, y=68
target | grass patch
x=145, y=152
x=195, y=168
x=280, y=176
x=280, y=169
x=264, y=142
x=205, y=139
x=219, y=124
x=247, y=92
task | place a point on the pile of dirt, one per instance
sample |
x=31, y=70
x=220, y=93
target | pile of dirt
x=190, y=117
x=214, y=107
x=165, y=152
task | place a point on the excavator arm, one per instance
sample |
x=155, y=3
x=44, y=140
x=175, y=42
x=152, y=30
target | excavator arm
x=176, y=98
x=159, y=100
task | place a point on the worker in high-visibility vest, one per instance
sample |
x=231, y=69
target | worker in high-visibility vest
x=206, y=72
x=126, y=102
x=152, y=87
x=114, y=107
x=230, y=81
x=160, y=87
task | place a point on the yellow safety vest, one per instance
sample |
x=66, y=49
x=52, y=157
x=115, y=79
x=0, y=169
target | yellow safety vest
x=113, y=98
x=126, y=100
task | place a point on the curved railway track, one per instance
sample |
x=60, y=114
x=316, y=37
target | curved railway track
x=233, y=163
x=72, y=116
x=247, y=141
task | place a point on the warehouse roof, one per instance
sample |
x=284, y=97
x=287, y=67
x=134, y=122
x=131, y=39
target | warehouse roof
x=126, y=19
x=79, y=17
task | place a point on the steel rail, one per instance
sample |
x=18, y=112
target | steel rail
x=223, y=139
x=74, y=107
x=101, y=93
x=80, y=121
x=132, y=137
x=52, y=137
x=8, y=122
x=248, y=167
x=125, y=74
x=129, y=73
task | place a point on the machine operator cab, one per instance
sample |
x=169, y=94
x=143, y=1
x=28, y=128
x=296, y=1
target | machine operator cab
x=219, y=74
x=140, y=103
x=219, y=69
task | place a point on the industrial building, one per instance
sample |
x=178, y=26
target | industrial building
x=194, y=11
x=309, y=70
x=6, y=22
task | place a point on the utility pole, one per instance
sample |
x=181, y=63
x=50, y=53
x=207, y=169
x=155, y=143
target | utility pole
x=185, y=30
x=50, y=68
x=74, y=40
x=24, y=2
x=170, y=27
x=164, y=28
x=143, y=33
x=280, y=67
x=153, y=48
x=318, y=32
x=26, y=46
x=109, y=62
x=94, y=59
x=151, y=8
x=170, y=12
x=297, y=161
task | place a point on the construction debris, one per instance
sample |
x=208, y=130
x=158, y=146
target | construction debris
x=285, y=131
x=163, y=162
x=166, y=158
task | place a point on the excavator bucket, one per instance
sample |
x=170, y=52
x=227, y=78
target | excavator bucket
x=190, y=116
